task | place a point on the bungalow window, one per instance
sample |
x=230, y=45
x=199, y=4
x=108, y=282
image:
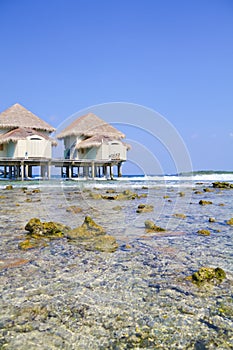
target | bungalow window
x=35, y=138
x=2, y=147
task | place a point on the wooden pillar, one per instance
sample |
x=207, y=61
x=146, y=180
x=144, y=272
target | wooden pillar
x=18, y=171
x=22, y=171
x=5, y=171
x=105, y=170
x=30, y=170
x=26, y=171
x=67, y=171
x=10, y=172
x=42, y=171
x=70, y=172
x=92, y=170
x=119, y=174
x=49, y=170
x=85, y=170
x=110, y=171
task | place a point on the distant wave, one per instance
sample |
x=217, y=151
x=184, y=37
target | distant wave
x=133, y=181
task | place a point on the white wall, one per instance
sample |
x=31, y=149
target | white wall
x=114, y=151
x=34, y=148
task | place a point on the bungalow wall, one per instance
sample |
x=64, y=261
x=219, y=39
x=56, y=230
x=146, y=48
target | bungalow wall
x=87, y=153
x=113, y=151
x=33, y=148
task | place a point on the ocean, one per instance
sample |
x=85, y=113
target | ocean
x=63, y=295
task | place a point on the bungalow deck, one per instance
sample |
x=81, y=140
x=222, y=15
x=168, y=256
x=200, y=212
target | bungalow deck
x=22, y=168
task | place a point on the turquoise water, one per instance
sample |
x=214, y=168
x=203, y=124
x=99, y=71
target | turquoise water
x=61, y=296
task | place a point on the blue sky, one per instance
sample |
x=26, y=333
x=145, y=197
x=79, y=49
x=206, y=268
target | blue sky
x=172, y=56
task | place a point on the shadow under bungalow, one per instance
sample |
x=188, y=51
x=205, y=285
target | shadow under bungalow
x=92, y=147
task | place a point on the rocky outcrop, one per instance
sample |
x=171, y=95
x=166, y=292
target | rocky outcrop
x=203, y=232
x=111, y=194
x=89, y=229
x=152, y=227
x=224, y=185
x=39, y=229
x=74, y=209
x=211, y=219
x=208, y=274
x=89, y=235
x=92, y=236
x=179, y=215
x=203, y=202
x=125, y=195
x=144, y=208
x=230, y=221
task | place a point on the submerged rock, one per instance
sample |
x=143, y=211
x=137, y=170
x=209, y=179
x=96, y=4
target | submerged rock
x=152, y=227
x=181, y=194
x=219, y=184
x=95, y=195
x=203, y=202
x=111, y=190
x=144, y=208
x=92, y=236
x=203, y=232
x=104, y=243
x=117, y=208
x=208, y=274
x=230, y=221
x=74, y=209
x=88, y=229
x=39, y=229
x=207, y=189
x=32, y=243
x=180, y=215
x=36, y=190
x=212, y=219
x=9, y=187
x=125, y=195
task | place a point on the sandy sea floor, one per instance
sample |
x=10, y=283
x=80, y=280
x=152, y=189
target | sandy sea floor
x=61, y=296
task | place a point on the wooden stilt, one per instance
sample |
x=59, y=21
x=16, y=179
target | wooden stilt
x=119, y=174
x=22, y=171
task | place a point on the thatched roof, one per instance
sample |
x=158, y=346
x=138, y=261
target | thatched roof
x=21, y=134
x=17, y=116
x=90, y=125
x=96, y=141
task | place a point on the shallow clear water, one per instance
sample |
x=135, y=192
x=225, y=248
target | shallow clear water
x=63, y=297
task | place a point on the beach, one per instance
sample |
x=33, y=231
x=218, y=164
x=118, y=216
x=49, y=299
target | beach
x=63, y=294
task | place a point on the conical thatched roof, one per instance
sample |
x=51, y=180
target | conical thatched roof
x=96, y=141
x=17, y=116
x=90, y=125
x=21, y=134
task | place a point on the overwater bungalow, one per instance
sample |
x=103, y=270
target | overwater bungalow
x=92, y=139
x=24, y=136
